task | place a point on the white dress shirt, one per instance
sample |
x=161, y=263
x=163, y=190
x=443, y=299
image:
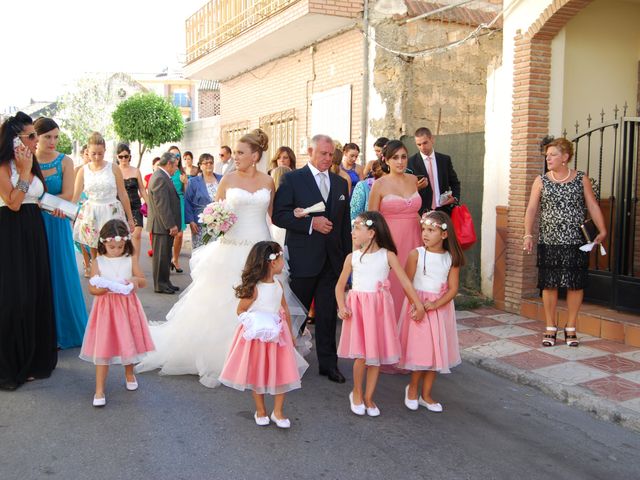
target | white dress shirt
x=316, y=176
x=435, y=186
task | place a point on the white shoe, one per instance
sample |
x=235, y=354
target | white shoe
x=131, y=386
x=373, y=411
x=280, y=422
x=357, y=409
x=432, y=407
x=262, y=421
x=99, y=402
x=410, y=404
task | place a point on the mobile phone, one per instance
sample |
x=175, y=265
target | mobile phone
x=17, y=142
x=419, y=177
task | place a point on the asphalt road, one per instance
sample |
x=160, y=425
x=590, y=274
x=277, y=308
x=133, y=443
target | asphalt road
x=174, y=428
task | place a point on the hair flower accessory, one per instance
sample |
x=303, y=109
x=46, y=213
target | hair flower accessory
x=365, y=223
x=117, y=238
x=433, y=223
x=273, y=256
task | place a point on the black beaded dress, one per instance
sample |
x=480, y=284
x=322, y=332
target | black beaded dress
x=560, y=261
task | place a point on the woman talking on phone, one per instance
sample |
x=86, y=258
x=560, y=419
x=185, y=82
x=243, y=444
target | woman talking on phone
x=28, y=347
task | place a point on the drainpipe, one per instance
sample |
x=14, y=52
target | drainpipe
x=364, y=120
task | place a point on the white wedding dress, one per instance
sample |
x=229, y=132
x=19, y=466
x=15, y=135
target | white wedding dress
x=201, y=325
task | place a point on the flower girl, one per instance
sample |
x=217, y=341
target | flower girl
x=431, y=346
x=262, y=357
x=368, y=315
x=117, y=331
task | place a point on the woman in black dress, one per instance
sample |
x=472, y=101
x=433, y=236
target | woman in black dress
x=28, y=347
x=135, y=190
x=564, y=196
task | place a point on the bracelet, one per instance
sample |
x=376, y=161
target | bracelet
x=527, y=236
x=22, y=186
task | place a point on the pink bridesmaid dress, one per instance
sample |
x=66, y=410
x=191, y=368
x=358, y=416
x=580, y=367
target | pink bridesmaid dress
x=431, y=344
x=403, y=219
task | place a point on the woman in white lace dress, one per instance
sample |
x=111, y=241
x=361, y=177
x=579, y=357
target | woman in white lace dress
x=200, y=327
x=107, y=196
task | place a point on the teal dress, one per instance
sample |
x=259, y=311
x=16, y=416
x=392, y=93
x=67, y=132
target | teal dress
x=68, y=302
x=180, y=189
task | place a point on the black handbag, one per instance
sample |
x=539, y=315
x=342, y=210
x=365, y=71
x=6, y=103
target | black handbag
x=589, y=230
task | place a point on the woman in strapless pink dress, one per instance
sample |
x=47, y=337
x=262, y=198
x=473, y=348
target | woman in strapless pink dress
x=396, y=197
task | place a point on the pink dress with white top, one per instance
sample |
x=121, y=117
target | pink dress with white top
x=370, y=333
x=259, y=362
x=431, y=344
x=117, y=331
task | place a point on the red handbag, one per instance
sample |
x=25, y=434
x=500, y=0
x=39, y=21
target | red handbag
x=463, y=226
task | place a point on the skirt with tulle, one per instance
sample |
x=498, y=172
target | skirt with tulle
x=371, y=332
x=117, y=332
x=264, y=367
x=431, y=344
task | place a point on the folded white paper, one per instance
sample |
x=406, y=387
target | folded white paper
x=111, y=285
x=50, y=202
x=317, y=208
x=587, y=247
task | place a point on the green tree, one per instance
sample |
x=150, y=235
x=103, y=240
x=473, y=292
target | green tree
x=148, y=119
x=87, y=108
x=64, y=143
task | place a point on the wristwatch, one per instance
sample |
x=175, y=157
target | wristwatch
x=22, y=185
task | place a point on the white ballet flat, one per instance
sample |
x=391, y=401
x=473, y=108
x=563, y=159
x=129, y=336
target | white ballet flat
x=261, y=421
x=373, y=411
x=131, y=386
x=432, y=407
x=410, y=404
x=99, y=402
x=357, y=409
x=280, y=422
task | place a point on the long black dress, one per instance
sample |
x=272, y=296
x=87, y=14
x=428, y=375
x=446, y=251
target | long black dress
x=28, y=346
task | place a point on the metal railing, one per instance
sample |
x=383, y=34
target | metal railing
x=220, y=21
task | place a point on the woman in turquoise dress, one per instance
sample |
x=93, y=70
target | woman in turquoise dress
x=179, y=179
x=68, y=301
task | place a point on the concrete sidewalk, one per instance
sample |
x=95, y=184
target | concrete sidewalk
x=600, y=376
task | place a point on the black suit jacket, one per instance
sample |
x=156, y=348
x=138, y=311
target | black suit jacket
x=447, y=179
x=309, y=252
x=164, y=204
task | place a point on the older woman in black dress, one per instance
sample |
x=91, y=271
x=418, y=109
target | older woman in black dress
x=28, y=348
x=564, y=195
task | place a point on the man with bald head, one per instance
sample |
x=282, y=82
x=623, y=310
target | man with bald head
x=318, y=243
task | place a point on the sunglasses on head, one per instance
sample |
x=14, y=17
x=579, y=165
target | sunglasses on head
x=30, y=136
x=124, y=156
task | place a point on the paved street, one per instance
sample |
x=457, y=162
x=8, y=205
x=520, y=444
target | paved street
x=175, y=428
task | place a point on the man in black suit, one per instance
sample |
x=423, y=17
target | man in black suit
x=318, y=243
x=435, y=174
x=163, y=220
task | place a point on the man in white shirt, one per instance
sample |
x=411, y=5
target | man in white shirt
x=435, y=173
x=225, y=164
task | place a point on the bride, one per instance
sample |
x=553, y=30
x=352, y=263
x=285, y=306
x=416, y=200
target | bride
x=200, y=326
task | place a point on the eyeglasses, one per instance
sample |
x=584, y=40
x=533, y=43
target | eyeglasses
x=207, y=163
x=124, y=157
x=30, y=136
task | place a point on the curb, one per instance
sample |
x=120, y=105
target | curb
x=569, y=394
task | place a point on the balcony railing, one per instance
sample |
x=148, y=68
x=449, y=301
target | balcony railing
x=220, y=21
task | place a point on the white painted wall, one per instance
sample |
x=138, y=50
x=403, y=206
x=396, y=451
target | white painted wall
x=519, y=14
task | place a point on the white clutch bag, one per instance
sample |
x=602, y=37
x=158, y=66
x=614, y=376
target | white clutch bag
x=50, y=202
x=317, y=208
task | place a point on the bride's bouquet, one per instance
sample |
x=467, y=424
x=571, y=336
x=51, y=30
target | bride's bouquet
x=216, y=220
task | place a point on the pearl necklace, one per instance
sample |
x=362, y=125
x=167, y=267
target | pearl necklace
x=563, y=180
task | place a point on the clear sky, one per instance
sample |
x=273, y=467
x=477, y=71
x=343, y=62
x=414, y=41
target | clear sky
x=47, y=45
